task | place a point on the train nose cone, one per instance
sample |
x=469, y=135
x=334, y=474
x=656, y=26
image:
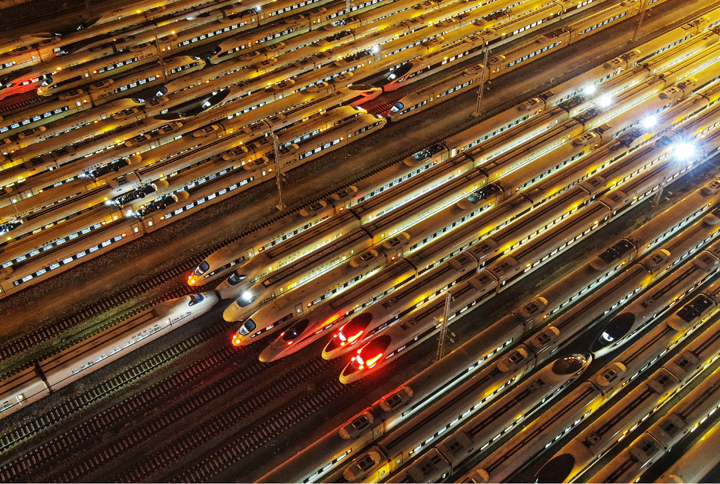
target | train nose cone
x=556, y=469
x=617, y=328
x=571, y=364
x=268, y=354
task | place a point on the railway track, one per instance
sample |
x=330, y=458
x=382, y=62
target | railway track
x=43, y=422
x=28, y=341
x=18, y=105
x=238, y=414
x=261, y=434
x=53, y=329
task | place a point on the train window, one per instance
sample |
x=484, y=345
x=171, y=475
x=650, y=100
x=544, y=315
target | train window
x=195, y=299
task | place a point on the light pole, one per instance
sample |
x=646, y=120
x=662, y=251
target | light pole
x=159, y=53
x=87, y=5
x=642, y=17
x=443, y=328
x=684, y=152
x=278, y=170
x=481, y=89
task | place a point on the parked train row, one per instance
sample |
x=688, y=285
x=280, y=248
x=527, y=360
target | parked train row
x=367, y=310
x=274, y=72
x=67, y=366
x=682, y=228
x=394, y=237
x=220, y=126
x=151, y=212
x=499, y=127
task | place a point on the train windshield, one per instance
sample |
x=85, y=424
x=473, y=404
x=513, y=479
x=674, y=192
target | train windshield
x=202, y=268
x=246, y=299
x=397, y=107
x=236, y=278
x=247, y=327
x=296, y=330
x=195, y=298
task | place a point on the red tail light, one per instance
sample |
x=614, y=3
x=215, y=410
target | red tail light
x=236, y=340
x=354, y=337
x=371, y=362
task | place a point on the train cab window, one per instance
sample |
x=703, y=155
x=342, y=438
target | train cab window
x=202, y=268
x=296, y=330
x=195, y=299
x=236, y=278
x=247, y=327
x=246, y=299
x=398, y=106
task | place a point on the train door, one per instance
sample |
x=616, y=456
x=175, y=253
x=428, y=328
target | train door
x=86, y=73
x=298, y=308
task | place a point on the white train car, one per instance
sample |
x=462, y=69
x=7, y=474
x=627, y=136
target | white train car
x=82, y=359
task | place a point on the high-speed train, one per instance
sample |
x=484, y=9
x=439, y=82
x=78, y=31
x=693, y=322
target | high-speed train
x=703, y=452
x=421, y=323
x=45, y=269
x=17, y=155
x=363, y=324
x=366, y=310
x=401, y=404
x=244, y=305
x=78, y=100
x=461, y=405
x=360, y=327
x=92, y=188
x=175, y=199
x=223, y=261
x=169, y=205
x=602, y=387
x=651, y=306
x=93, y=353
x=676, y=423
x=24, y=67
x=91, y=71
x=499, y=418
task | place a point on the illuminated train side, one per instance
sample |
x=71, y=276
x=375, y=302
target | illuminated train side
x=93, y=353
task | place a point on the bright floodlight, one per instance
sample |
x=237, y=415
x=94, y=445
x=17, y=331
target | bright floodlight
x=649, y=122
x=605, y=101
x=375, y=49
x=590, y=89
x=684, y=150
x=246, y=295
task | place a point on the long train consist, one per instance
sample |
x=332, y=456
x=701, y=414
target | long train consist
x=499, y=126
x=81, y=359
x=398, y=406
x=648, y=309
x=394, y=242
x=467, y=443
x=677, y=422
x=156, y=222
x=591, y=395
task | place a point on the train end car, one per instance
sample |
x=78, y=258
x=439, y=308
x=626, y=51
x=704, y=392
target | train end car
x=20, y=390
x=77, y=361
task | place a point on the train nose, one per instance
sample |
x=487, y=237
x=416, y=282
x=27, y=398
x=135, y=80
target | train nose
x=556, y=469
x=614, y=331
x=270, y=353
x=570, y=364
